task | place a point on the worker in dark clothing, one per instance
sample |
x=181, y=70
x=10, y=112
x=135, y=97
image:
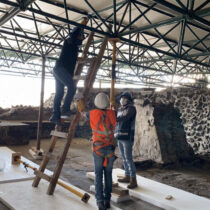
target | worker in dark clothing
x=124, y=132
x=64, y=72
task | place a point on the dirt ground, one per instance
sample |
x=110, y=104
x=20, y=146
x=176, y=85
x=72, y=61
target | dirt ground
x=191, y=179
x=194, y=178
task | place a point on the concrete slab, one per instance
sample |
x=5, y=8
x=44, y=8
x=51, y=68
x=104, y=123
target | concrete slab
x=13, y=173
x=156, y=193
x=22, y=196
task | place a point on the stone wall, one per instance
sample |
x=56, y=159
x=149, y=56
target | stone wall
x=195, y=114
x=193, y=106
x=160, y=135
x=146, y=142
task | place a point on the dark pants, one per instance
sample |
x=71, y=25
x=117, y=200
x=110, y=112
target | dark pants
x=62, y=78
x=103, y=194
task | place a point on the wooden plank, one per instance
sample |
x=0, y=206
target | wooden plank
x=79, y=77
x=82, y=60
x=115, y=188
x=59, y=134
x=120, y=191
x=115, y=197
x=42, y=175
x=91, y=175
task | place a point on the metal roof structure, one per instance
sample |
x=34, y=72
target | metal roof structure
x=163, y=42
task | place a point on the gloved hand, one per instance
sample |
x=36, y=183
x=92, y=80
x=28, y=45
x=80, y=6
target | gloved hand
x=81, y=106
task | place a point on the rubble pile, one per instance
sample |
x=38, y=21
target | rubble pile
x=89, y=103
x=24, y=113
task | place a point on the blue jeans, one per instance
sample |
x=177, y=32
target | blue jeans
x=103, y=194
x=125, y=147
x=62, y=78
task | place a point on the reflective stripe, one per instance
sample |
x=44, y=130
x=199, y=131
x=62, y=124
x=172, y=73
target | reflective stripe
x=103, y=132
x=120, y=133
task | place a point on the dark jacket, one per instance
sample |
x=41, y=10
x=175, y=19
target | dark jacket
x=68, y=56
x=69, y=52
x=125, y=128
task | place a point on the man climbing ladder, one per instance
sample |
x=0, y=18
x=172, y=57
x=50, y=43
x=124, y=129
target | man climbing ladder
x=92, y=71
x=64, y=72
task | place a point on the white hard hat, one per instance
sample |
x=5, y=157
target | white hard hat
x=101, y=101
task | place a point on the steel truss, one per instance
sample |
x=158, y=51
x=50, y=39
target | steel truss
x=146, y=55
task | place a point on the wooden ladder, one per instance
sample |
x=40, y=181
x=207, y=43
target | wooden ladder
x=91, y=75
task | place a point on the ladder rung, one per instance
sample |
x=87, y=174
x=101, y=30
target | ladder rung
x=59, y=134
x=52, y=156
x=79, y=77
x=42, y=175
x=85, y=60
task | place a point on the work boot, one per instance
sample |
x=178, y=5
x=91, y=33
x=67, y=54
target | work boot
x=133, y=183
x=66, y=115
x=125, y=179
x=101, y=206
x=107, y=204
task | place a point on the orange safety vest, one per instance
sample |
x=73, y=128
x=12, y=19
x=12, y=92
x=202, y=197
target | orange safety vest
x=103, y=123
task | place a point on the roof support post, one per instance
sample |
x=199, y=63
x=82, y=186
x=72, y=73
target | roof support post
x=39, y=130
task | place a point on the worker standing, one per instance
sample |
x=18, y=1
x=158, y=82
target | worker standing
x=64, y=72
x=103, y=122
x=124, y=132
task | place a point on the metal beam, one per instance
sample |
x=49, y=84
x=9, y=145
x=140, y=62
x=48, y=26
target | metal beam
x=164, y=52
x=134, y=49
x=167, y=22
x=184, y=12
x=97, y=14
x=154, y=25
x=168, y=58
x=14, y=11
x=202, y=5
x=9, y=15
